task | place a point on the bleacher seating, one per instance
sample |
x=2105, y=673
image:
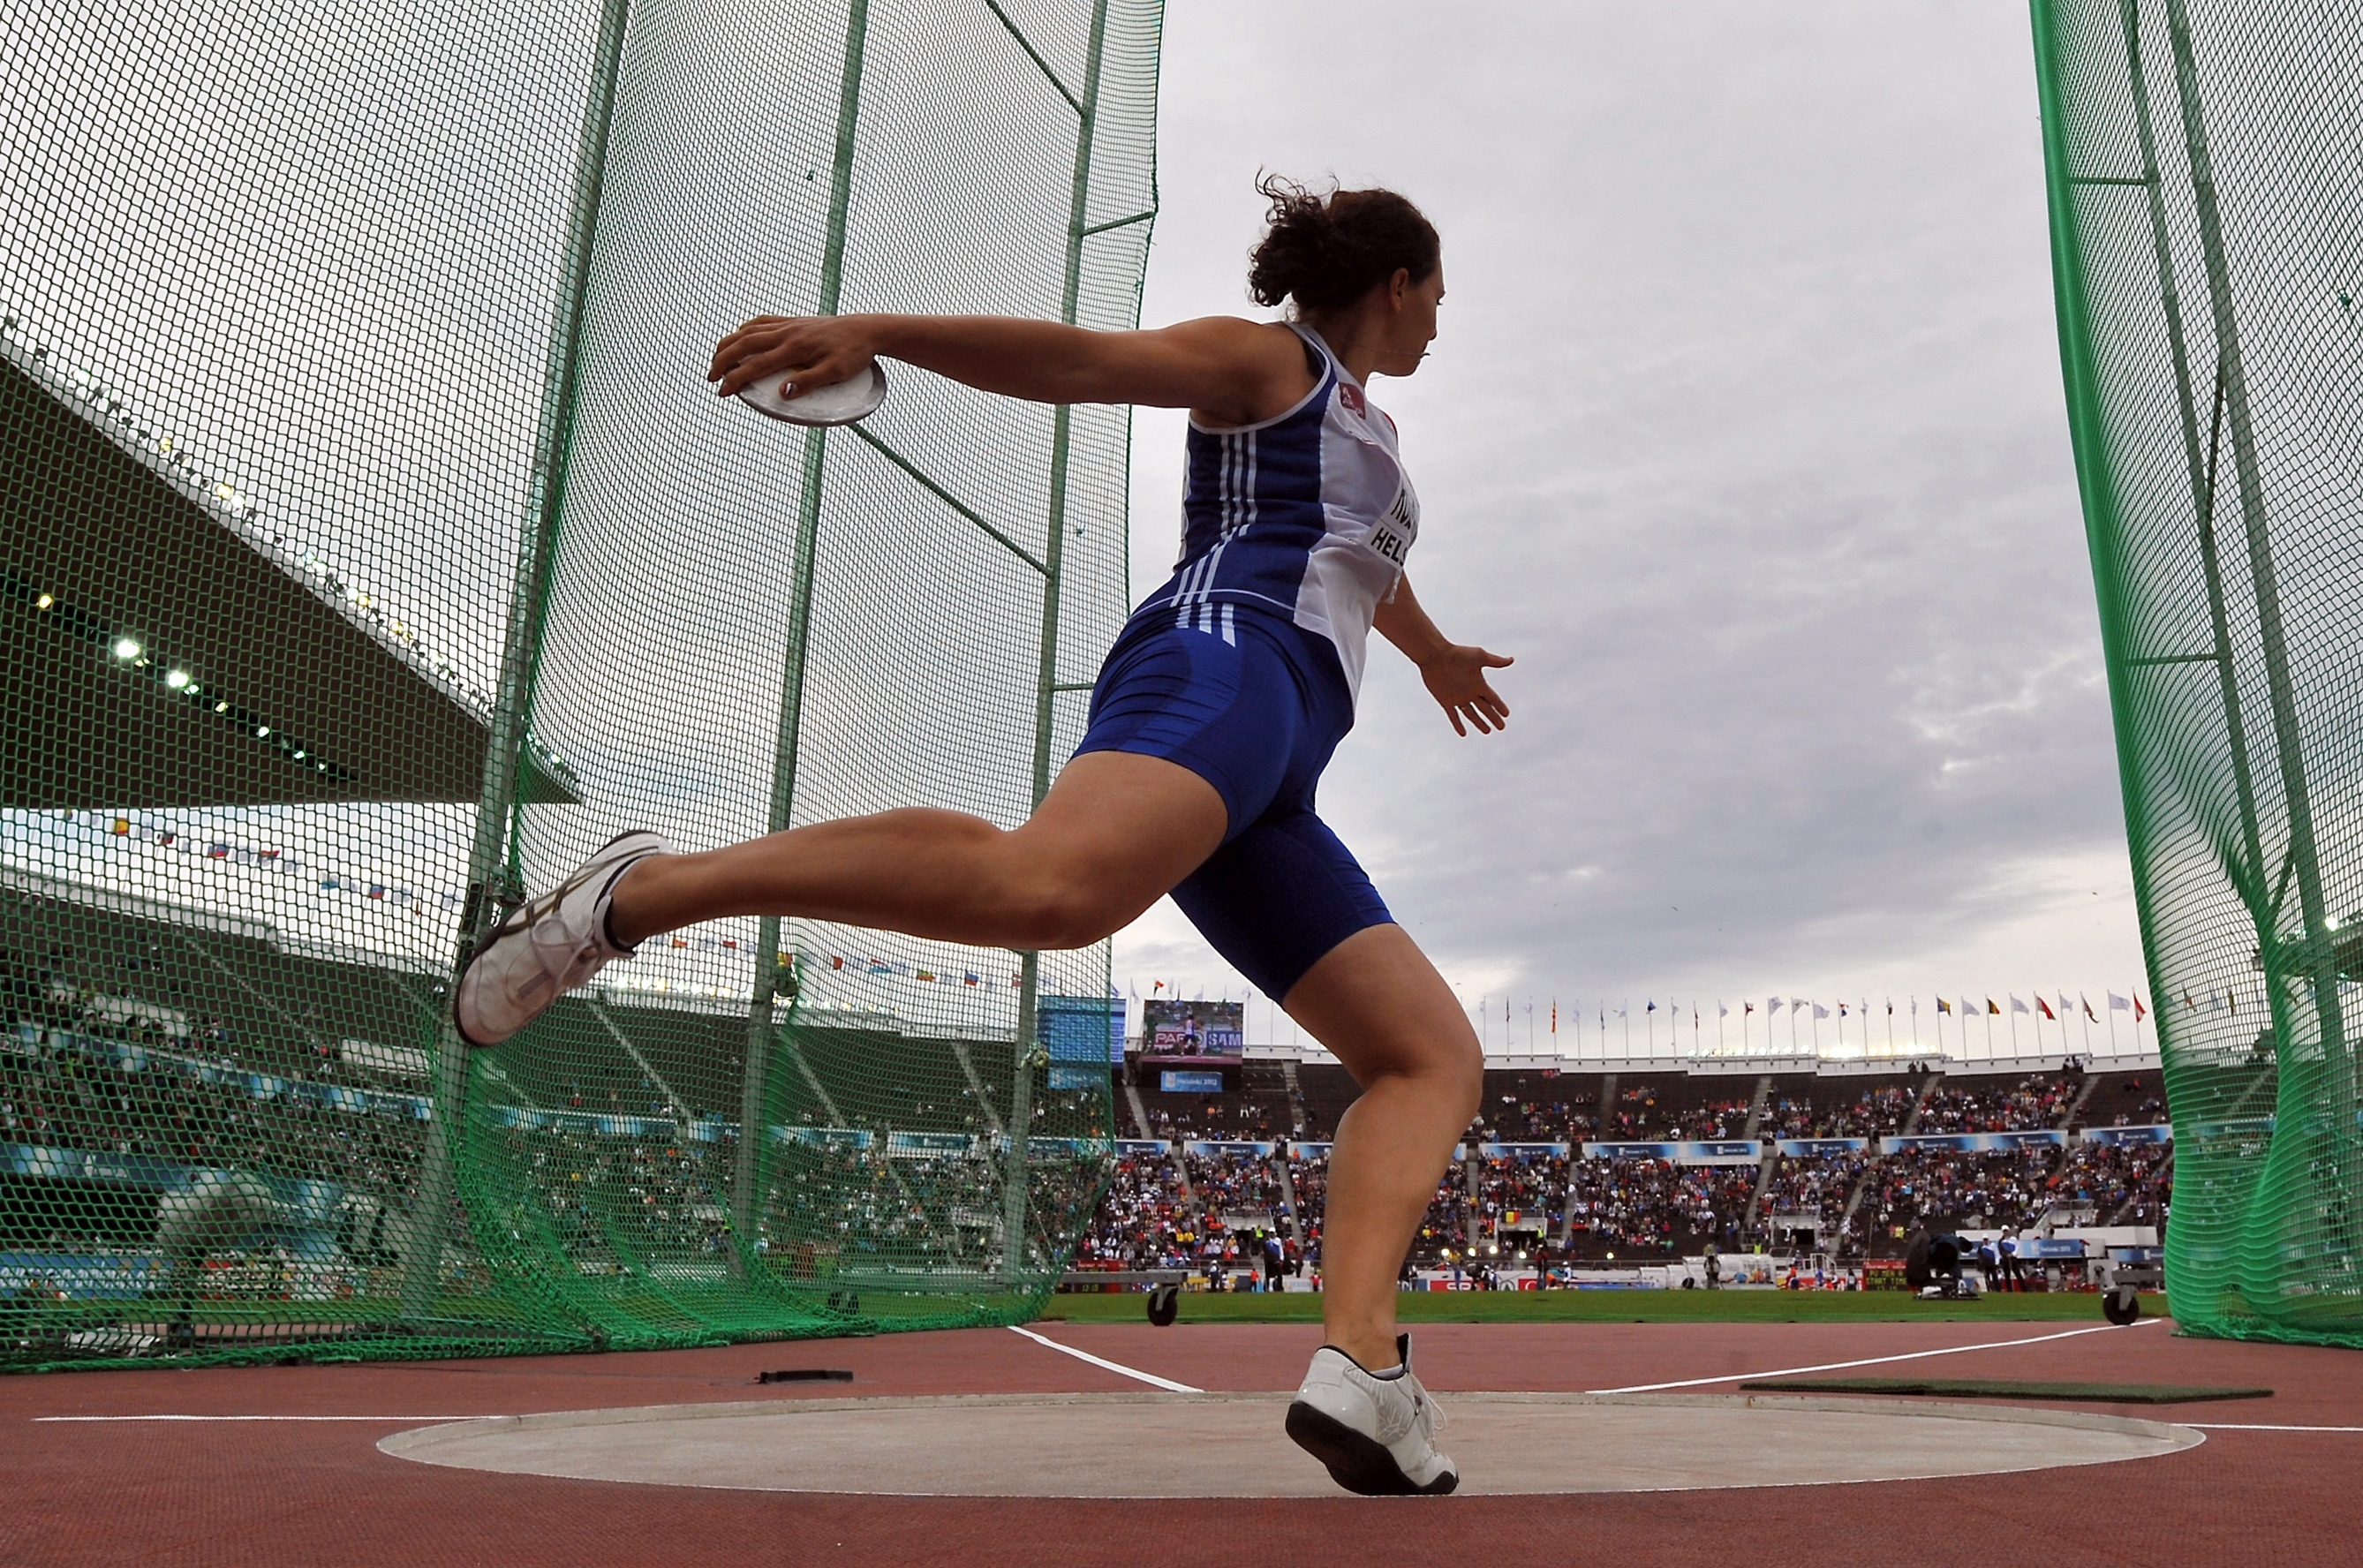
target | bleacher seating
x=210, y=1051
x=1852, y=1201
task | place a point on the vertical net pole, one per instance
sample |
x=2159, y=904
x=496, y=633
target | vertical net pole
x=520, y=653
x=2200, y=466
x=1021, y=1094
x=761, y=1015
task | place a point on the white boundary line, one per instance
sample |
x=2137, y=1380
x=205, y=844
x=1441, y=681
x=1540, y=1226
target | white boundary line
x=2235, y=1427
x=257, y=1418
x=1122, y=1371
x=1867, y=1361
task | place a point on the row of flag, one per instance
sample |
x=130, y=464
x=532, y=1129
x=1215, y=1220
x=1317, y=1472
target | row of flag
x=400, y=896
x=891, y=967
x=1957, y=1005
x=1967, y=1005
x=267, y=858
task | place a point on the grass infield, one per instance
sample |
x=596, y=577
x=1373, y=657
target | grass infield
x=1612, y=1306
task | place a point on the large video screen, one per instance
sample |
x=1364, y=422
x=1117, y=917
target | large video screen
x=1193, y=1031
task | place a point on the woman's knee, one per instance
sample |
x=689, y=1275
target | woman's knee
x=1449, y=1066
x=1463, y=1070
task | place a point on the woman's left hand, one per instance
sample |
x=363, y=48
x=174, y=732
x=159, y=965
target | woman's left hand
x=1455, y=679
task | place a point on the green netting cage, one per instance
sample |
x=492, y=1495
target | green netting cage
x=375, y=549
x=2205, y=163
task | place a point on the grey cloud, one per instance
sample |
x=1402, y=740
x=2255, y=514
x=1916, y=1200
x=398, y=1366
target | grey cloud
x=1745, y=434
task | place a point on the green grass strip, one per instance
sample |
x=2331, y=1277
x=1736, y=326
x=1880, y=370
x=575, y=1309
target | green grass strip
x=2006, y=1388
x=1612, y=1306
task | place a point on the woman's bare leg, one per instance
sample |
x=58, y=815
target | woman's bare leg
x=1114, y=835
x=1381, y=1009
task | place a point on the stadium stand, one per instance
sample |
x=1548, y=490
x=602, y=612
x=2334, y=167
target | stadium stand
x=1525, y=1192
x=154, y=1049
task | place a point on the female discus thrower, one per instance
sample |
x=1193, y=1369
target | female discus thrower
x=1211, y=719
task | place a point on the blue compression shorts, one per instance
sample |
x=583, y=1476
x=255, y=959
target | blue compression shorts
x=1253, y=706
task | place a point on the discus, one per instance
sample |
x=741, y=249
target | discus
x=841, y=403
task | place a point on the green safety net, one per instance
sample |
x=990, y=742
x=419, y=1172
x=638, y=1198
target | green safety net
x=2207, y=227
x=375, y=550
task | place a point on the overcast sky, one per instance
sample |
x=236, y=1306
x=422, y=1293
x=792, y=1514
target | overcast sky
x=1744, y=433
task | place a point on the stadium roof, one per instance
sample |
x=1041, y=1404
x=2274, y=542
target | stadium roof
x=164, y=650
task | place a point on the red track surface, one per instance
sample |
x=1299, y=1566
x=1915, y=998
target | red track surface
x=318, y=1492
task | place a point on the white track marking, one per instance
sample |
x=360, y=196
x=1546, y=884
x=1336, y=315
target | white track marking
x=1121, y=1371
x=1867, y=1361
x=2235, y=1427
x=420, y=1419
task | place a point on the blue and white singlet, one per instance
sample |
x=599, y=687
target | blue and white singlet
x=1245, y=665
x=1308, y=516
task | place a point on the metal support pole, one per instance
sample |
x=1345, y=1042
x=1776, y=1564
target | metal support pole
x=761, y=1017
x=493, y=850
x=1014, y=1180
x=2201, y=469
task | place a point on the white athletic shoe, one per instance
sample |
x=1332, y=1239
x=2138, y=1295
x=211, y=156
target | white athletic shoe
x=1377, y=1435
x=546, y=947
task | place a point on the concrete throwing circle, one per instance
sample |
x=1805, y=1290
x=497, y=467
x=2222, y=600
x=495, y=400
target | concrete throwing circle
x=1217, y=1445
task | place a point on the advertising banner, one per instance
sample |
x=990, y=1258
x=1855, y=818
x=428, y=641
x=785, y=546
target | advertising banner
x=1214, y=1148
x=1169, y=1082
x=2058, y=1248
x=1971, y=1142
x=1522, y=1151
x=1958, y=1142
x=82, y=1276
x=1628, y=1151
x=1815, y=1148
x=1067, y=1148
x=1134, y=1148
x=927, y=1145
x=1720, y=1152
x=1044, y=1147
x=2129, y=1135
x=824, y=1137
x=1717, y=1152
x=1193, y=1031
x=1076, y=1077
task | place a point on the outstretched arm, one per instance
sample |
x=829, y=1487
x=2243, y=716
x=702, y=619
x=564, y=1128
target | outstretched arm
x=1237, y=371
x=1455, y=672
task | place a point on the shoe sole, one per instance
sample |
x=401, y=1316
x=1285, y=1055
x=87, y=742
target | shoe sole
x=1360, y=1464
x=515, y=924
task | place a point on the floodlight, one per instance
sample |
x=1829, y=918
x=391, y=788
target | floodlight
x=176, y=679
x=126, y=648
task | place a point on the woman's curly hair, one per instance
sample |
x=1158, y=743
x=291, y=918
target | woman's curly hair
x=1327, y=251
